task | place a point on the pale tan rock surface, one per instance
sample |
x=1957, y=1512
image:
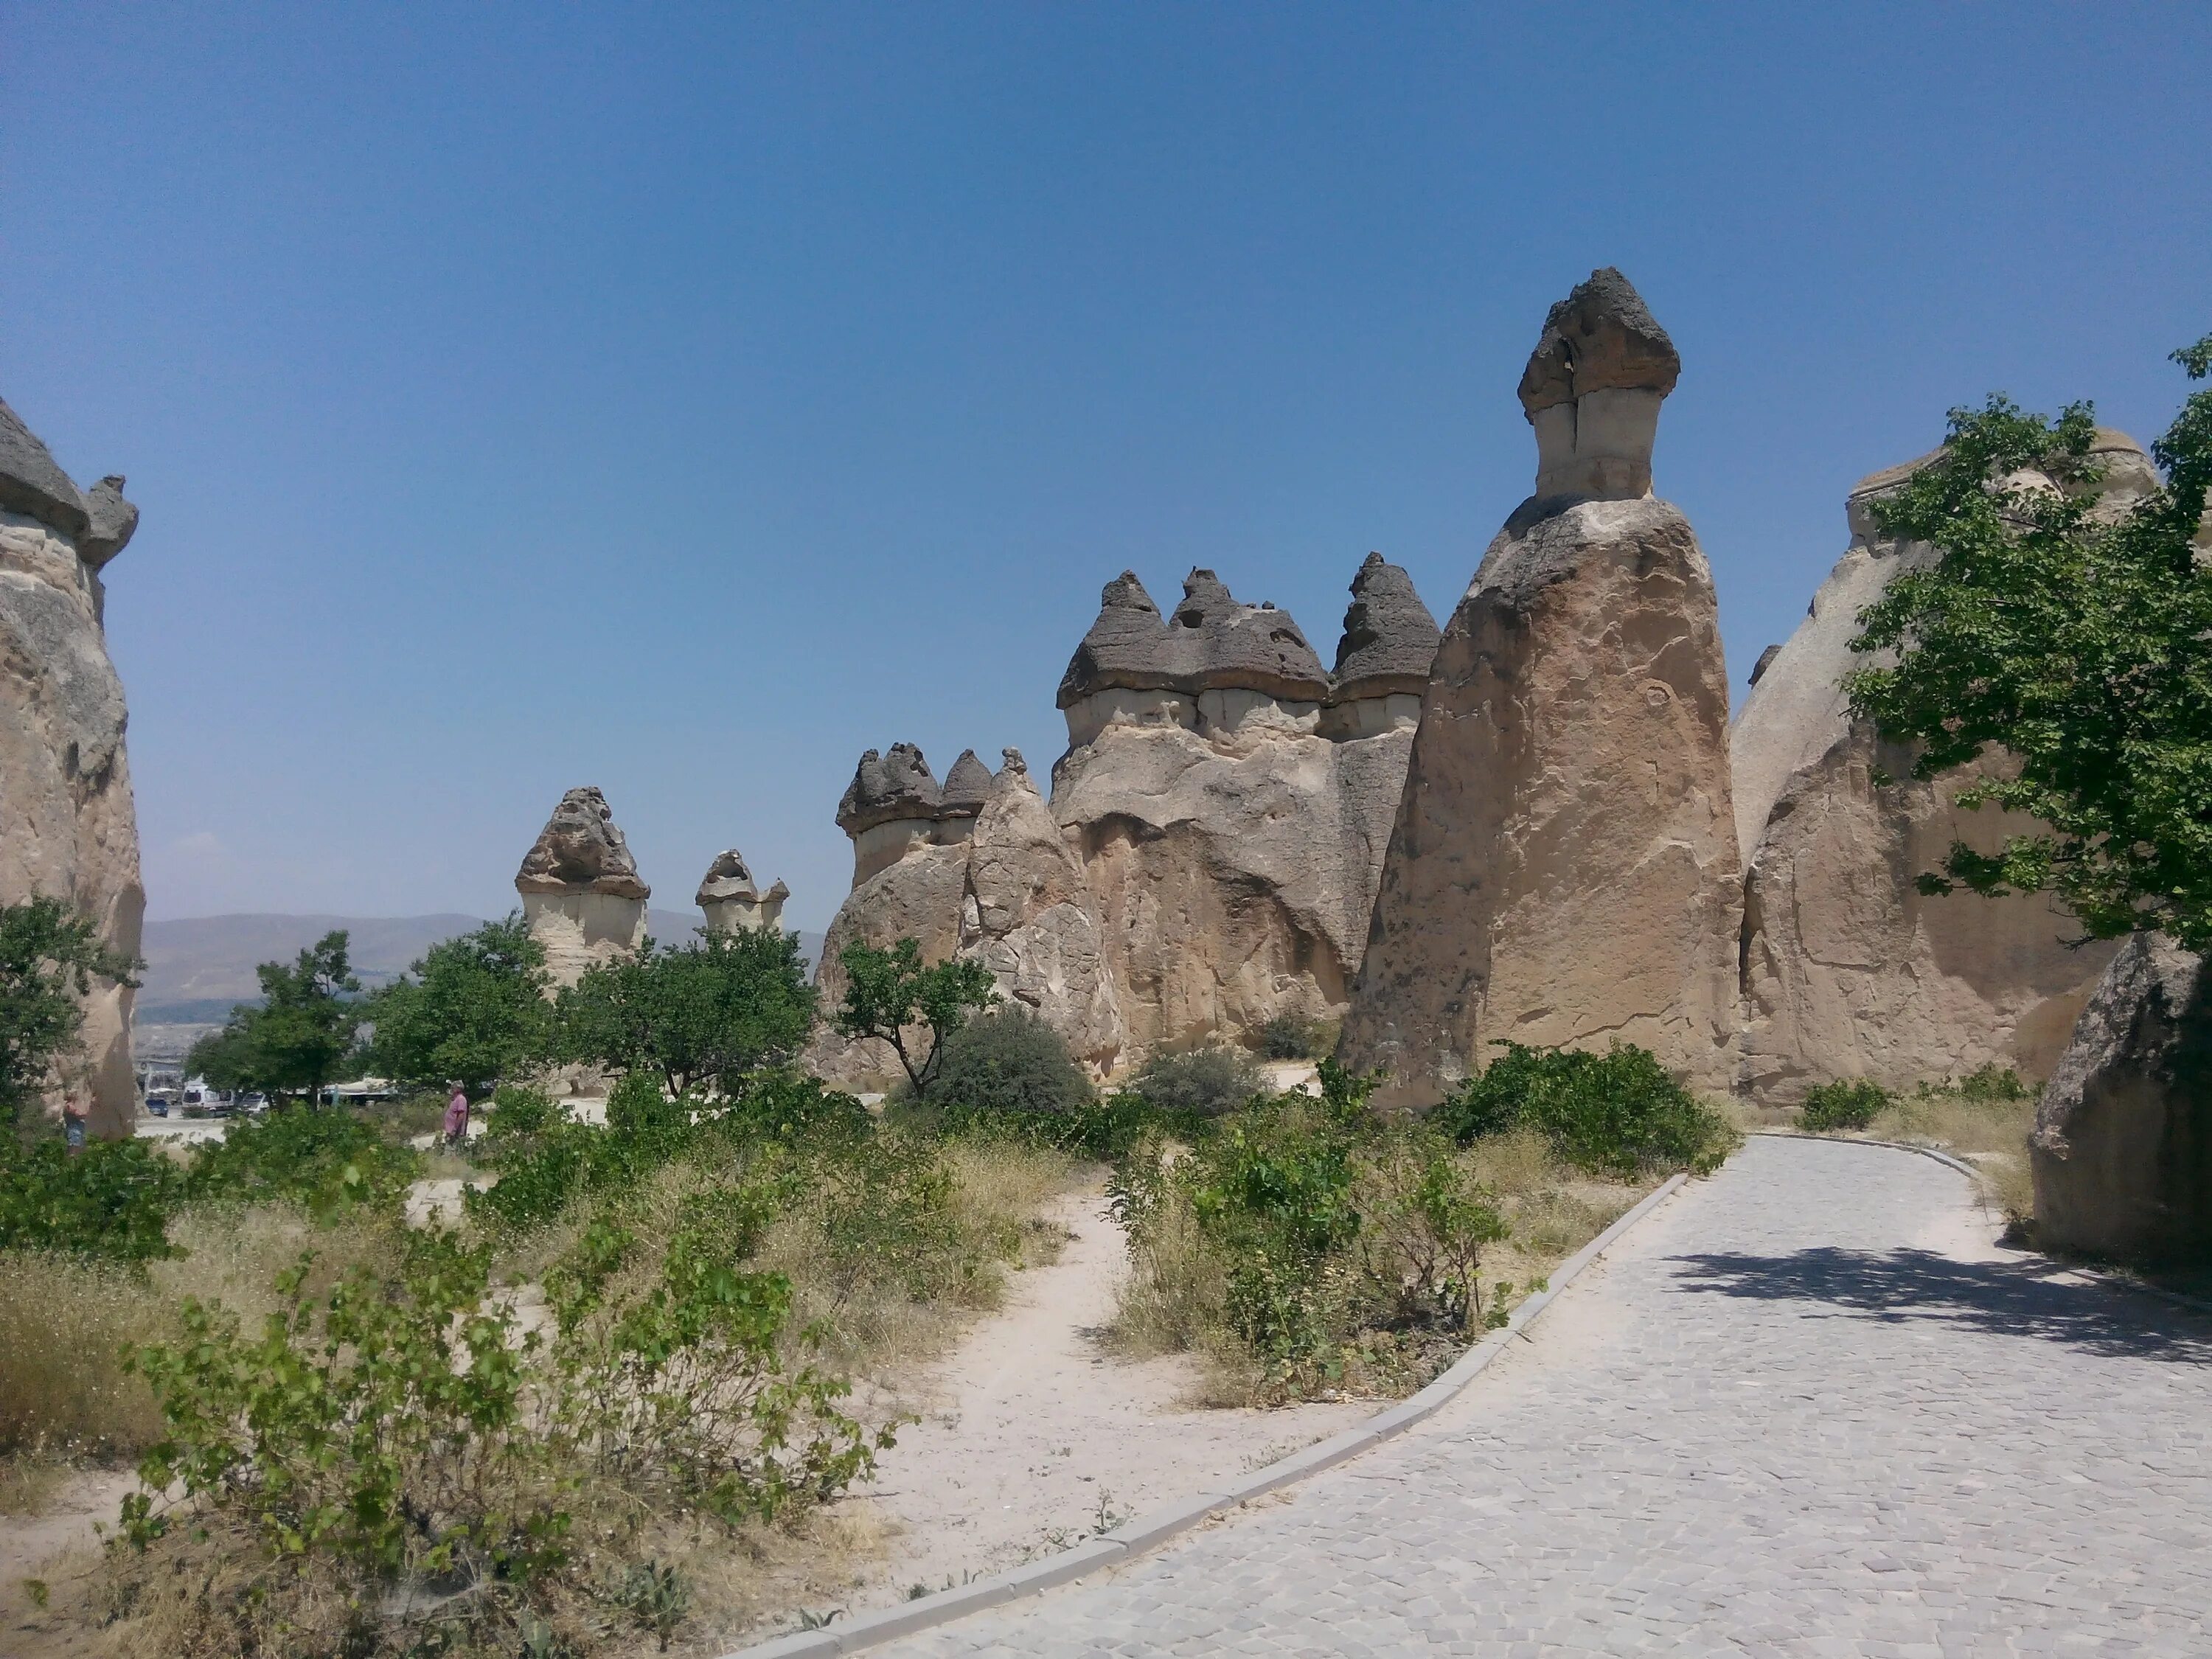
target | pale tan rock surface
x=1847, y=970
x=582, y=894
x=2122, y=1151
x=1563, y=868
x=67, y=826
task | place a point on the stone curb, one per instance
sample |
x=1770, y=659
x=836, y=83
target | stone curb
x=1149, y=1531
x=1940, y=1155
x=2119, y=1281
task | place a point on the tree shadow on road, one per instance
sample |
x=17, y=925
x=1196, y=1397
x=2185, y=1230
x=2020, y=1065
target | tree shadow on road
x=1999, y=1297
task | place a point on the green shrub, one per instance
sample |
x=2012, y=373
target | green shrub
x=1992, y=1085
x=1102, y=1129
x=1210, y=1081
x=1849, y=1104
x=1007, y=1059
x=1289, y=1036
x=342, y=1477
x=322, y=1160
x=113, y=1200
x=1617, y=1114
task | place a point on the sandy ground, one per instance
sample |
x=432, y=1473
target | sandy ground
x=1033, y=1437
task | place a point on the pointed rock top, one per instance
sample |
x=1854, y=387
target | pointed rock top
x=966, y=787
x=1127, y=646
x=727, y=878
x=581, y=850
x=898, y=784
x=1600, y=335
x=1389, y=638
x=113, y=522
x=33, y=483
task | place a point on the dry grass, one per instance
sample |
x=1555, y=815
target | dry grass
x=1991, y=1135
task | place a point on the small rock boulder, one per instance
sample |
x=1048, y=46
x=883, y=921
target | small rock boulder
x=2123, y=1144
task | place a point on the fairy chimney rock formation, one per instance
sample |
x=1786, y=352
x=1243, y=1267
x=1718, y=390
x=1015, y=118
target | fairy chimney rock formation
x=893, y=805
x=1847, y=969
x=1564, y=868
x=68, y=827
x=731, y=902
x=582, y=894
x=1230, y=800
x=1382, y=660
x=1592, y=391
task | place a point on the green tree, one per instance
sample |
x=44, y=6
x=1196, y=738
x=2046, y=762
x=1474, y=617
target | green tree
x=711, y=1011
x=49, y=957
x=891, y=996
x=2077, y=646
x=473, y=1010
x=301, y=1033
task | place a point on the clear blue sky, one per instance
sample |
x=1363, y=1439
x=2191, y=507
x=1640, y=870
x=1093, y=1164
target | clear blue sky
x=683, y=399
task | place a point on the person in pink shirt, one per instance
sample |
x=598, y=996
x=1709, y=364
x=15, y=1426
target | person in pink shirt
x=457, y=1117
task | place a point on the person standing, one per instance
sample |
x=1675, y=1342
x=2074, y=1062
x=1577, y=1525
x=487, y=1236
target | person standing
x=74, y=1112
x=457, y=1117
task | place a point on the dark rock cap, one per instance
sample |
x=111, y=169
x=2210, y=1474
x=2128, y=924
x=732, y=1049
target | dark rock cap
x=1213, y=642
x=726, y=878
x=887, y=786
x=966, y=788
x=1765, y=661
x=33, y=483
x=113, y=522
x=1601, y=335
x=1390, y=639
x=581, y=850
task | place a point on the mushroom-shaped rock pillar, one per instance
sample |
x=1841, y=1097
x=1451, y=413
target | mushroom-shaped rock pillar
x=1382, y=661
x=732, y=904
x=892, y=805
x=581, y=896
x=1592, y=390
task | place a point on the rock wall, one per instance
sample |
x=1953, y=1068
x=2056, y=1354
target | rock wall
x=2122, y=1151
x=1563, y=868
x=67, y=826
x=1846, y=969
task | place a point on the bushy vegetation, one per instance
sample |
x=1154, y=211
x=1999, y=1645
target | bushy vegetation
x=1208, y=1080
x=420, y=1474
x=2078, y=647
x=472, y=1010
x=114, y=1198
x=1843, y=1105
x=892, y=996
x=1291, y=1036
x=301, y=1033
x=704, y=1016
x=1007, y=1059
x=1618, y=1114
x=48, y=958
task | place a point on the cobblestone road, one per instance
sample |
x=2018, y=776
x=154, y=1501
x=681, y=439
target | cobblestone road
x=1801, y=1410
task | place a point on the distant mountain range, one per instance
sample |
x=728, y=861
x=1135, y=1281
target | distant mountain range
x=198, y=966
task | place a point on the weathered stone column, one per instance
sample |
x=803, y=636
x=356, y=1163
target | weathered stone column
x=1564, y=867
x=732, y=904
x=581, y=891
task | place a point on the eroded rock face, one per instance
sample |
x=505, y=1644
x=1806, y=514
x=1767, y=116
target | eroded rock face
x=1563, y=868
x=1215, y=832
x=1847, y=970
x=1231, y=823
x=2122, y=1150
x=67, y=826
x=1010, y=894
x=581, y=893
